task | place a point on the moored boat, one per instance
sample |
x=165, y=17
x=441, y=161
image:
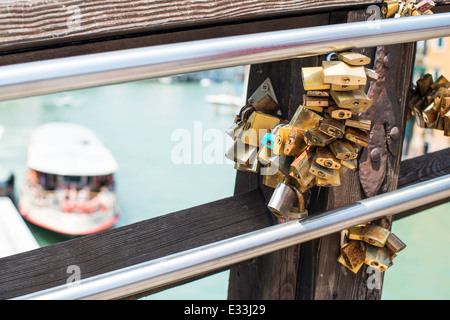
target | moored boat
x=69, y=187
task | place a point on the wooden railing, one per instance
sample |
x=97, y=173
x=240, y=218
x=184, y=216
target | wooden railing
x=300, y=272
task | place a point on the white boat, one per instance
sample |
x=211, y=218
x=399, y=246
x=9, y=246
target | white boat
x=69, y=187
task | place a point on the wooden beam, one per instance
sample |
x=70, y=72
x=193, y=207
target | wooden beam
x=132, y=244
x=26, y=24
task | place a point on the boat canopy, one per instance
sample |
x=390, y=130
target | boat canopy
x=69, y=149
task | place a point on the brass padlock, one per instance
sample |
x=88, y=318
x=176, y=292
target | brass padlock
x=264, y=99
x=441, y=82
x=343, y=150
x=424, y=84
x=332, y=127
x=315, y=137
x=358, y=122
x=360, y=137
x=321, y=171
x=355, y=232
x=354, y=58
x=240, y=152
x=251, y=166
x=344, y=87
x=394, y=244
x=351, y=164
x=318, y=93
x=315, y=103
x=305, y=119
x=430, y=114
x=312, y=78
x=295, y=143
x=389, y=8
x=353, y=255
x=378, y=257
x=375, y=235
x=281, y=136
x=325, y=158
x=334, y=181
x=371, y=75
x=339, y=72
x=355, y=100
x=272, y=176
x=299, y=168
x=339, y=114
x=257, y=125
x=264, y=155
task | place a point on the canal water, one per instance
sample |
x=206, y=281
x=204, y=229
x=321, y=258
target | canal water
x=169, y=141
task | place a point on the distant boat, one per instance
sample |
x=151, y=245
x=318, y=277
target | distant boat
x=69, y=186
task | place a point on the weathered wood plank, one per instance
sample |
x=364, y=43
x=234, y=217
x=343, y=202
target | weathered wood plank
x=43, y=22
x=143, y=241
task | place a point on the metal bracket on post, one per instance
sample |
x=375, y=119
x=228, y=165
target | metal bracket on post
x=386, y=116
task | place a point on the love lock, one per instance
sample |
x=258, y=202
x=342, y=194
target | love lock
x=287, y=202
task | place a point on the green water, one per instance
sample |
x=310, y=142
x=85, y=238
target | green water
x=136, y=121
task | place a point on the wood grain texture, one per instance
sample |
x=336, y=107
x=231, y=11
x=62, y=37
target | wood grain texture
x=143, y=241
x=56, y=21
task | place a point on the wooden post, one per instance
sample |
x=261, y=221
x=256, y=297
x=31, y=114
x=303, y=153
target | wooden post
x=310, y=271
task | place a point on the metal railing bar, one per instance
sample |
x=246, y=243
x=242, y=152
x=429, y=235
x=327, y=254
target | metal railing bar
x=184, y=265
x=56, y=75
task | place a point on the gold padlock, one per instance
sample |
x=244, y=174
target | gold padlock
x=353, y=255
x=272, y=180
x=334, y=181
x=355, y=100
x=264, y=155
x=312, y=78
x=424, y=84
x=371, y=75
x=241, y=153
x=343, y=150
x=281, y=136
x=257, y=125
x=375, y=235
x=315, y=137
x=339, y=114
x=339, y=72
x=357, y=136
x=321, y=171
x=441, y=82
x=251, y=166
x=305, y=119
x=378, y=257
x=430, y=115
x=332, y=127
x=318, y=93
x=359, y=123
x=355, y=232
x=389, y=8
x=299, y=168
x=325, y=158
x=351, y=164
x=354, y=58
x=295, y=143
x=343, y=87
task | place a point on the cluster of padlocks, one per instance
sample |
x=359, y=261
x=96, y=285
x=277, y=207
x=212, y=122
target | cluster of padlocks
x=322, y=139
x=314, y=148
x=370, y=244
x=430, y=103
x=408, y=8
